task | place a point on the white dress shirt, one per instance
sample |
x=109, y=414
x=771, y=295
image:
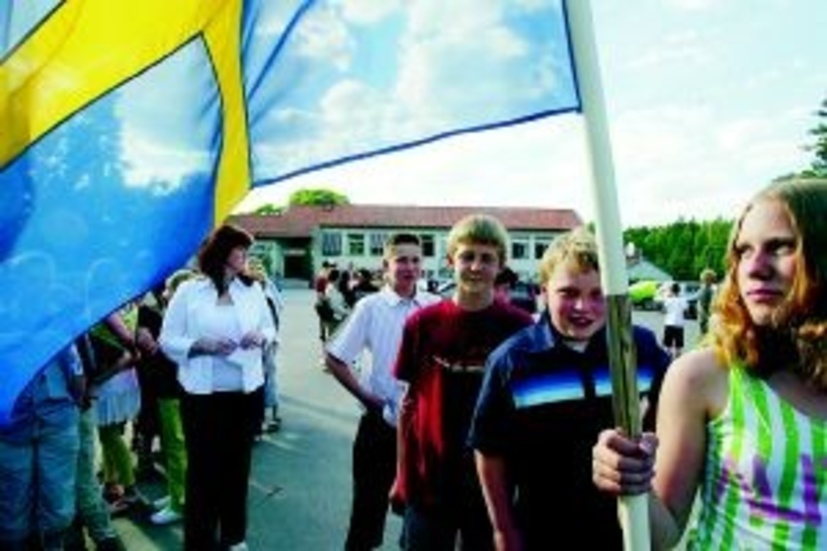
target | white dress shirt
x=184, y=324
x=375, y=327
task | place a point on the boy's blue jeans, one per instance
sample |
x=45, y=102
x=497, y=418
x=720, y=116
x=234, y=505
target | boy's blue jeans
x=271, y=388
x=37, y=478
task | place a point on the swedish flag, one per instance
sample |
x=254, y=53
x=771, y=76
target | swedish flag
x=129, y=129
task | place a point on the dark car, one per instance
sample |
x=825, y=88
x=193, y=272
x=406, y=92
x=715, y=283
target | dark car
x=523, y=294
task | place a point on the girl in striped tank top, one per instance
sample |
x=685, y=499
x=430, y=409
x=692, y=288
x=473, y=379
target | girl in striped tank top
x=742, y=422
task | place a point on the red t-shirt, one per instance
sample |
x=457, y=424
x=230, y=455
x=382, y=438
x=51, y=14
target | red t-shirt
x=320, y=284
x=442, y=358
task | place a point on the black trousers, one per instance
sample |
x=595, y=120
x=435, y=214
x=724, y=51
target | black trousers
x=374, y=469
x=218, y=429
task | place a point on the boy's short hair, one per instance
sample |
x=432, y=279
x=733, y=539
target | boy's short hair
x=399, y=238
x=481, y=229
x=577, y=246
x=708, y=276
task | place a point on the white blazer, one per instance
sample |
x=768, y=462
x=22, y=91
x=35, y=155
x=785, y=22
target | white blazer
x=182, y=327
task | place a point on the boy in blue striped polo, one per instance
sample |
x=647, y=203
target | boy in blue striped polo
x=546, y=395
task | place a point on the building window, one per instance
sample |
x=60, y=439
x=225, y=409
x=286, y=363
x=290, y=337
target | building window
x=540, y=249
x=519, y=250
x=331, y=244
x=428, y=246
x=356, y=244
x=377, y=243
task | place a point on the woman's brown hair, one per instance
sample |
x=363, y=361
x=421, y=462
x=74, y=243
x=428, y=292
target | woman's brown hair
x=213, y=255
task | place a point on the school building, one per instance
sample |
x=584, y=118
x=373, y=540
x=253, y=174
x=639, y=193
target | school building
x=295, y=242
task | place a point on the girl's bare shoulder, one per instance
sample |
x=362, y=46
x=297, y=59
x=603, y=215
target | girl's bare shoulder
x=699, y=375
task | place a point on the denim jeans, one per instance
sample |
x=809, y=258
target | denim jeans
x=37, y=478
x=431, y=531
x=271, y=387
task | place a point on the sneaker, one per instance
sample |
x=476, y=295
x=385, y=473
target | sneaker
x=167, y=515
x=273, y=426
x=240, y=546
x=161, y=503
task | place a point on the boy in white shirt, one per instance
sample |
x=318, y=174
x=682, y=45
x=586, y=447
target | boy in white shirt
x=375, y=326
x=674, y=320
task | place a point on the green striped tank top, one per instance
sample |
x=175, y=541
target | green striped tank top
x=765, y=477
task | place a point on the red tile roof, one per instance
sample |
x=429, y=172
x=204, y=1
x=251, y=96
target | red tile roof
x=300, y=221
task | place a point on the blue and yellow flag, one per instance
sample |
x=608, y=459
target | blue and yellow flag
x=129, y=129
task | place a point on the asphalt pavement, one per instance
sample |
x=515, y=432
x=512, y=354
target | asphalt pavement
x=300, y=483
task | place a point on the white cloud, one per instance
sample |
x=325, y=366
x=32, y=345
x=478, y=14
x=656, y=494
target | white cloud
x=368, y=11
x=711, y=119
x=325, y=38
x=159, y=168
x=694, y=5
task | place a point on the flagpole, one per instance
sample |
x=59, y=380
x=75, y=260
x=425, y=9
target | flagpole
x=634, y=510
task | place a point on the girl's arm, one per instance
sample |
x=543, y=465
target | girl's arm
x=694, y=391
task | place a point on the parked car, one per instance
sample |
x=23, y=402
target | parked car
x=642, y=294
x=523, y=294
x=689, y=290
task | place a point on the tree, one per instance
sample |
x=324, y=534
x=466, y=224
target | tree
x=268, y=209
x=309, y=196
x=818, y=168
x=318, y=196
x=683, y=248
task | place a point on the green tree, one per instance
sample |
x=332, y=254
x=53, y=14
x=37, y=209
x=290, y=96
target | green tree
x=306, y=196
x=818, y=166
x=683, y=248
x=317, y=196
x=269, y=209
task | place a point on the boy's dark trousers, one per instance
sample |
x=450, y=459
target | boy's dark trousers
x=374, y=469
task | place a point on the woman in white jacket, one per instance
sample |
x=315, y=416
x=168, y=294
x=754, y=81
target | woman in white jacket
x=214, y=329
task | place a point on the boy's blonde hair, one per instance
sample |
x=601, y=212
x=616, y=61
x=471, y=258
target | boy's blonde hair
x=708, y=276
x=481, y=229
x=576, y=247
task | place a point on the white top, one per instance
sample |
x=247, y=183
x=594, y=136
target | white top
x=337, y=301
x=187, y=320
x=375, y=326
x=218, y=321
x=675, y=308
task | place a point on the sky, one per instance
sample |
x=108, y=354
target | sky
x=707, y=101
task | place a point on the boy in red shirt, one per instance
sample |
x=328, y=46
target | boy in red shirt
x=442, y=357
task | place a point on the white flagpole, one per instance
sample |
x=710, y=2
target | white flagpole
x=634, y=510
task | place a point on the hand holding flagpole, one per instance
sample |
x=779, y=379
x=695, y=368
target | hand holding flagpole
x=634, y=511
